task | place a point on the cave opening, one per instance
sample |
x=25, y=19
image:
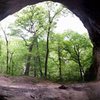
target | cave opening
x=65, y=23
x=56, y=52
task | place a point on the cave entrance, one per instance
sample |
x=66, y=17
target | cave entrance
x=48, y=27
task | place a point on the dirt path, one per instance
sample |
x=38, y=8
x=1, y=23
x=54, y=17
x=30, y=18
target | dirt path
x=22, y=88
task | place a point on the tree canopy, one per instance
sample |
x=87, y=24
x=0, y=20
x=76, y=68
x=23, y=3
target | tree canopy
x=35, y=49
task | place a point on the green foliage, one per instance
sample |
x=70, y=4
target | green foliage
x=67, y=51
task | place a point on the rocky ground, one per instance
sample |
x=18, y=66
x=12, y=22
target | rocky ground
x=22, y=88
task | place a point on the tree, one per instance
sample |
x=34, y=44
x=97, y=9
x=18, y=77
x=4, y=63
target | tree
x=7, y=50
x=52, y=16
x=76, y=46
x=29, y=21
x=36, y=20
x=35, y=25
x=57, y=45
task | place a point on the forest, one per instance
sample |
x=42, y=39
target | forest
x=31, y=47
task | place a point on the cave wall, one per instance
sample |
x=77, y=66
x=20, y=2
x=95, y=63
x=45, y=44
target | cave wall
x=86, y=10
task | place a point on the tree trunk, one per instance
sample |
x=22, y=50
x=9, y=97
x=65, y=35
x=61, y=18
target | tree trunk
x=40, y=68
x=27, y=65
x=39, y=60
x=80, y=67
x=77, y=52
x=47, y=55
x=11, y=71
x=7, y=60
x=28, y=62
x=35, y=66
x=81, y=70
x=7, y=51
x=60, y=66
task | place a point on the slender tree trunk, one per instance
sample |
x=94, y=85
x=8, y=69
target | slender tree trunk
x=81, y=70
x=7, y=55
x=11, y=64
x=7, y=51
x=7, y=59
x=76, y=49
x=60, y=66
x=40, y=68
x=47, y=54
x=50, y=21
x=0, y=48
x=35, y=66
x=12, y=72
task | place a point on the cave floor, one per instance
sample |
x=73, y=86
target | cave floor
x=22, y=88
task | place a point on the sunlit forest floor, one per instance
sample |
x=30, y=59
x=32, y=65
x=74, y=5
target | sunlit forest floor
x=28, y=88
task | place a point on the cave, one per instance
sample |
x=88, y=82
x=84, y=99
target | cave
x=88, y=13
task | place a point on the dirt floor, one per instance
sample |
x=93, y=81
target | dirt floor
x=28, y=88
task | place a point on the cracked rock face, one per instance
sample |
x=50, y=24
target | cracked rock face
x=87, y=10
